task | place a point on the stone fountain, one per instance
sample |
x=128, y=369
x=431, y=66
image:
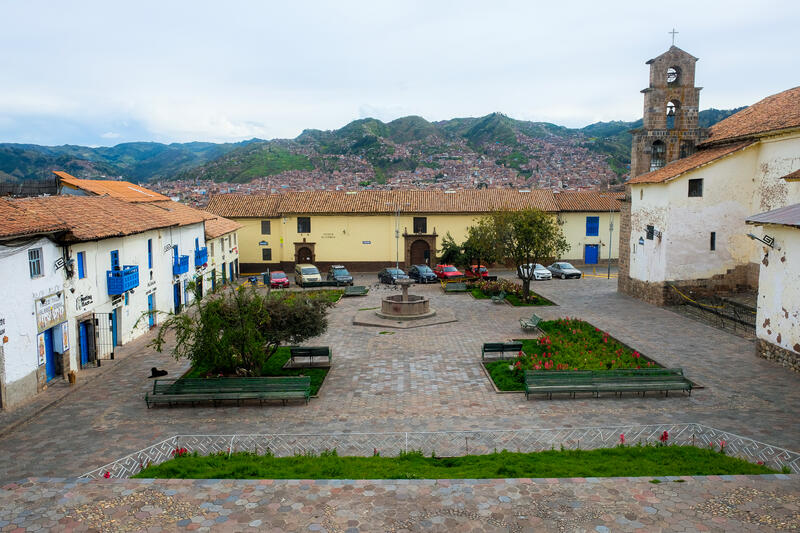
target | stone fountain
x=405, y=306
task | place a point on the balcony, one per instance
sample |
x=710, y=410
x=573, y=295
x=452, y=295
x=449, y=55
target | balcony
x=200, y=257
x=120, y=281
x=180, y=265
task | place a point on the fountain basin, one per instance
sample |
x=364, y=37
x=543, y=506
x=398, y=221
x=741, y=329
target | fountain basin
x=405, y=307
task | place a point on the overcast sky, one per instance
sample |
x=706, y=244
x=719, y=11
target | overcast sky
x=105, y=72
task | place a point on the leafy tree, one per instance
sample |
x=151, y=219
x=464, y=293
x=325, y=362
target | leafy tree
x=481, y=243
x=526, y=237
x=238, y=330
x=451, y=253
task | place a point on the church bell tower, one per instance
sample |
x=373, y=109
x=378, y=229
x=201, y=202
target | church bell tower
x=671, y=103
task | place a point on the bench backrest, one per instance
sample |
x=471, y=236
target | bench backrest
x=309, y=351
x=455, y=286
x=493, y=347
x=223, y=385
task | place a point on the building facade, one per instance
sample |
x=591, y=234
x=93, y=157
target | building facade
x=369, y=230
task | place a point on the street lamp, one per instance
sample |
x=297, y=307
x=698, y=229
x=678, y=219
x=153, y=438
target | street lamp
x=396, y=208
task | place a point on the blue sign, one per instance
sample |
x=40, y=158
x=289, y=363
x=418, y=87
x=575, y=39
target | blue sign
x=366, y=242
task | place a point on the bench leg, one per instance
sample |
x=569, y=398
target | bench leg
x=667, y=394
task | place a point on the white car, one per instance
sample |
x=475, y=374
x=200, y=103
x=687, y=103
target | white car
x=539, y=272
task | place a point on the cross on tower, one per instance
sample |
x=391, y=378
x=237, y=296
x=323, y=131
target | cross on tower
x=673, y=32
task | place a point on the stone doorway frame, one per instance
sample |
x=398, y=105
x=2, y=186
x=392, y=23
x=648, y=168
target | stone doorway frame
x=410, y=238
x=299, y=245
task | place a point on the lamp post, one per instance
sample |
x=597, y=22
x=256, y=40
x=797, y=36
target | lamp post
x=396, y=207
x=610, y=227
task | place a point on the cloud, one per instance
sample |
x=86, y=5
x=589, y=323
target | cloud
x=110, y=135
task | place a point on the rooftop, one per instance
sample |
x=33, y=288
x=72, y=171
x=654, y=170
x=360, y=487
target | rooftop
x=123, y=190
x=17, y=221
x=783, y=216
x=587, y=201
x=692, y=162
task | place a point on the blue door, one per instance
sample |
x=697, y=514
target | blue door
x=114, y=327
x=592, y=251
x=151, y=318
x=49, y=355
x=84, y=343
x=231, y=267
x=176, y=289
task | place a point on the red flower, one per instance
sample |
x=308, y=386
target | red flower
x=107, y=475
x=622, y=438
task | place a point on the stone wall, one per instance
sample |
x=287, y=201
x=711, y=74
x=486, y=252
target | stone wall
x=775, y=353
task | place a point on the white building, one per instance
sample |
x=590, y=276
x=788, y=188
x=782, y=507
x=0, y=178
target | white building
x=223, y=251
x=686, y=221
x=778, y=320
x=32, y=309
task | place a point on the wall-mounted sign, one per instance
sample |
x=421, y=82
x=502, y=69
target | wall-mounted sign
x=49, y=311
x=2, y=326
x=64, y=337
x=40, y=347
x=168, y=247
x=83, y=301
x=116, y=301
x=366, y=242
x=641, y=241
x=328, y=236
x=263, y=243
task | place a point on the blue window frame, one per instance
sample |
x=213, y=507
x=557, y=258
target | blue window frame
x=149, y=253
x=175, y=252
x=196, y=243
x=114, y=259
x=35, y=262
x=592, y=226
x=81, y=265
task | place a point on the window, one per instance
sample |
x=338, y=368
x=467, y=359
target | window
x=713, y=243
x=81, y=265
x=196, y=243
x=658, y=155
x=212, y=249
x=35, y=262
x=673, y=112
x=696, y=187
x=650, y=232
x=266, y=254
x=592, y=226
x=303, y=225
x=420, y=224
x=673, y=75
x=234, y=239
x=149, y=253
x=114, y=259
x=265, y=227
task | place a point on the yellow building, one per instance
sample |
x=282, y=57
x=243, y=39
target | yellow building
x=368, y=230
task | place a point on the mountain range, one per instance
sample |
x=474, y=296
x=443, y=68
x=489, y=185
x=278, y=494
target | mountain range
x=402, y=144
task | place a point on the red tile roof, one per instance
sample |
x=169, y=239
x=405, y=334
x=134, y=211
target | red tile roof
x=779, y=112
x=245, y=206
x=217, y=226
x=587, y=201
x=694, y=161
x=180, y=214
x=18, y=221
x=123, y=190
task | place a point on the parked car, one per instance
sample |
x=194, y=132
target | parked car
x=477, y=271
x=340, y=275
x=278, y=279
x=564, y=270
x=539, y=271
x=391, y=275
x=447, y=272
x=305, y=272
x=421, y=274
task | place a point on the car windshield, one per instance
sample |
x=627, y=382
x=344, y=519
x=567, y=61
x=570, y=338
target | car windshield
x=309, y=271
x=395, y=271
x=537, y=266
x=340, y=272
x=423, y=269
x=564, y=265
x=277, y=275
x=450, y=269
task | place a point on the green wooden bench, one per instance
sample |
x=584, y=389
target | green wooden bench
x=499, y=298
x=500, y=347
x=310, y=352
x=616, y=381
x=323, y=283
x=456, y=286
x=192, y=390
x=530, y=324
x=356, y=290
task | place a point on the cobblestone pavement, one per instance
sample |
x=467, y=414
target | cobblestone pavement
x=420, y=379
x=686, y=504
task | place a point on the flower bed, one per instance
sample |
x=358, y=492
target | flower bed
x=485, y=289
x=568, y=344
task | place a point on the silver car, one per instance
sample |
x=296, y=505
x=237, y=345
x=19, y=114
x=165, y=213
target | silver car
x=539, y=272
x=563, y=270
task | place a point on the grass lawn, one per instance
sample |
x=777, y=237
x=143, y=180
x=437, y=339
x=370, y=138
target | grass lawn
x=513, y=299
x=568, y=344
x=273, y=367
x=332, y=295
x=607, y=462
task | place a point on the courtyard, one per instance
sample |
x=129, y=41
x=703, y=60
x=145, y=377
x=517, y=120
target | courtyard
x=419, y=379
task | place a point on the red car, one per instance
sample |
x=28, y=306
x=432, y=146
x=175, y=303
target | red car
x=278, y=280
x=447, y=272
x=476, y=271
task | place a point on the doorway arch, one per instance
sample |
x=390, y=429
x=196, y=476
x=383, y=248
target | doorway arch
x=420, y=253
x=304, y=255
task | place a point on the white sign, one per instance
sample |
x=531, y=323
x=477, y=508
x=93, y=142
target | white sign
x=49, y=311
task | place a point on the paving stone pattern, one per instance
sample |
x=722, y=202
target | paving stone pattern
x=421, y=379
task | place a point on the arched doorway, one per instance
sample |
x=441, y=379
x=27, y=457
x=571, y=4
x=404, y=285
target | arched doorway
x=304, y=255
x=420, y=253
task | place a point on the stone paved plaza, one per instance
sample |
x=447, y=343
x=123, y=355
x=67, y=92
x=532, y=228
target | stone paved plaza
x=418, y=379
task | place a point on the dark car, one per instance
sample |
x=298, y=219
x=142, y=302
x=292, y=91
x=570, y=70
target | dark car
x=563, y=270
x=391, y=275
x=340, y=275
x=421, y=274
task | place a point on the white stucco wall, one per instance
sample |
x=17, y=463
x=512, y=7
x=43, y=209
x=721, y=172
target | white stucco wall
x=225, y=250
x=17, y=305
x=778, y=319
x=734, y=188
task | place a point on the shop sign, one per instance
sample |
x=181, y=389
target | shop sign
x=366, y=242
x=40, y=347
x=328, y=236
x=64, y=337
x=83, y=301
x=50, y=311
x=2, y=326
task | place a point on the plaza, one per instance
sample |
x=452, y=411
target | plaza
x=417, y=379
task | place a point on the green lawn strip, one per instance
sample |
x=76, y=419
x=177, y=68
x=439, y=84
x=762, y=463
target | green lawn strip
x=274, y=368
x=607, y=462
x=479, y=294
x=533, y=300
x=574, y=344
x=332, y=295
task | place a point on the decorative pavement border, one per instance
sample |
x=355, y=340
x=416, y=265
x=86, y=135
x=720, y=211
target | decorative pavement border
x=451, y=443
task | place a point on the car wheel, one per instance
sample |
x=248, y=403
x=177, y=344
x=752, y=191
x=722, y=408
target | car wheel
x=563, y=276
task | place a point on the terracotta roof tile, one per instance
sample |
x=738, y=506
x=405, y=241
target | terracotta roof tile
x=180, y=214
x=587, y=201
x=245, y=206
x=696, y=160
x=17, y=221
x=216, y=226
x=774, y=113
x=123, y=190
x=794, y=176
x=90, y=218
